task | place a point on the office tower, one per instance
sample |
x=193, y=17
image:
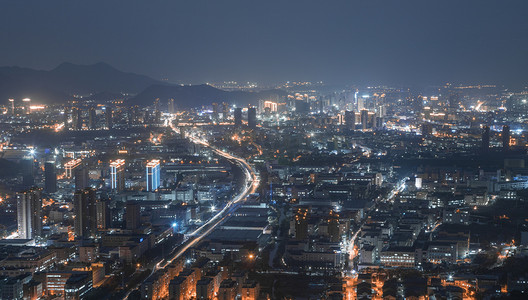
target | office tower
x=50, y=177
x=364, y=119
x=505, y=138
x=350, y=120
x=77, y=119
x=117, y=175
x=225, y=110
x=12, y=102
x=82, y=180
x=27, y=105
x=92, y=118
x=171, y=106
x=133, y=215
x=27, y=166
x=252, y=117
x=157, y=117
x=238, y=116
x=66, y=118
x=109, y=118
x=103, y=216
x=215, y=111
x=301, y=223
x=485, y=138
x=70, y=167
x=29, y=214
x=153, y=175
x=84, y=208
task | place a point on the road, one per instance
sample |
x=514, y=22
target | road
x=250, y=186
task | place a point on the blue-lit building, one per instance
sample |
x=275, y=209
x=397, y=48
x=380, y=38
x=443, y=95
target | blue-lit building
x=153, y=175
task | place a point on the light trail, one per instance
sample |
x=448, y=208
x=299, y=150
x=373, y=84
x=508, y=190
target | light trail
x=251, y=184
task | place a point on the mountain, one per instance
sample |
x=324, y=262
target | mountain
x=103, y=82
x=188, y=96
x=59, y=84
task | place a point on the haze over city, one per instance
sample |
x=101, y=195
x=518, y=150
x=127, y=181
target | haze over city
x=338, y=42
x=255, y=150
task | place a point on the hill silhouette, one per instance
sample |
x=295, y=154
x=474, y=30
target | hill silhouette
x=60, y=84
x=103, y=82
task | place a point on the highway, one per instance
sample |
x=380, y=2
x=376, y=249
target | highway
x=250, y=186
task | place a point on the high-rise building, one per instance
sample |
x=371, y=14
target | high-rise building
x=133, y=215
x=29, y=214
x=82, y=180
x=50, y=177
x=12, y=102
x=109, y=122
x=27, y=105
x=485, y=138
x=157, y=116
x=92, y=118
x=505, y=138
x=103, y=215
x=171, y=106
x=84, y=208
x=350, y=120
x=364, y=119
x=252, y=117
x=117, y=175
x=215, y=111
x=27, y=166
x=77, y=119
x=70, y=167
x=238, y=116
x=153, y=175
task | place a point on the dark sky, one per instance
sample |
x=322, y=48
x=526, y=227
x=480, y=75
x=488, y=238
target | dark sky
x=368, y=41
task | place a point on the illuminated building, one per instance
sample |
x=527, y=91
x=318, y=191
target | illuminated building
x=272, y=106
x=71, y=166
x=12, y=101
x=153, y=175
x=398, y=257
x=29, y=214
x=27, y=105
x=117, y=175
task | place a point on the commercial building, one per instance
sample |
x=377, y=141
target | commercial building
x=153, y=175
x=29, y=214
x=117, y=175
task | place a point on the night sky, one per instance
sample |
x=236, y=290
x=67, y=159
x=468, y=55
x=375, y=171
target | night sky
x=340, y=42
